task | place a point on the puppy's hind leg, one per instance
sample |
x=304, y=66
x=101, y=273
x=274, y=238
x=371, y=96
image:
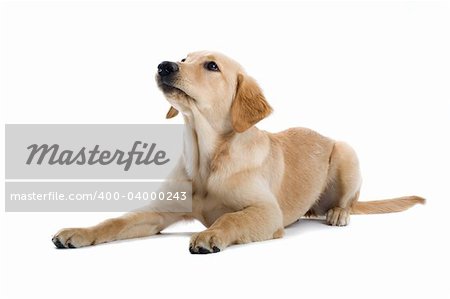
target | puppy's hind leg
x=345, y=183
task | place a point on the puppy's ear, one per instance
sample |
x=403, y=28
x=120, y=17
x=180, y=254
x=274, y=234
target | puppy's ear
x=249, y=105
x=171, y=113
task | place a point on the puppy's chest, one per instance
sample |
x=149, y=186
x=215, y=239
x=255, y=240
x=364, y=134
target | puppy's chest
x=210, y=201
x=208, y=204
x=209, y=188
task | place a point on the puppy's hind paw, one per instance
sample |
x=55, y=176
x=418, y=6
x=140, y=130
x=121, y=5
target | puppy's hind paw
x=338, y=217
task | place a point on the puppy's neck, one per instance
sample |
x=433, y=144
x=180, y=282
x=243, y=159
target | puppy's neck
x=200, y=142
x=204, y=145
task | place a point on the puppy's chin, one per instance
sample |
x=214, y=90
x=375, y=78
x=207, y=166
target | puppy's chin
x=171, y=91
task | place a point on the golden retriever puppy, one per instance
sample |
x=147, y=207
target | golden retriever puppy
x=247, y=184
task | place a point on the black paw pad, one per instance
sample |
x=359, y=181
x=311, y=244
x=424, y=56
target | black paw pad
x=57, y=243
x=203, y=250
x=216, y=249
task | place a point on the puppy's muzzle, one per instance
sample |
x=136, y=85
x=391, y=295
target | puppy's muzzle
x=167, y=68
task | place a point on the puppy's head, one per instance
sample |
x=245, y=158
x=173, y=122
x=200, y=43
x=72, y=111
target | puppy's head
x=214, y=86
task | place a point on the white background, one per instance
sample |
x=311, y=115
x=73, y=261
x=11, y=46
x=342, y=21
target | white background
x=375, y=74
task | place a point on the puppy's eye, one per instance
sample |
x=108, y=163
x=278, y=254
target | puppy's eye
x=212, y=66
x=183, y=60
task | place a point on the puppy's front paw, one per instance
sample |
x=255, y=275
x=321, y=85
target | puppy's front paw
x=208, y=241
x=73, y=238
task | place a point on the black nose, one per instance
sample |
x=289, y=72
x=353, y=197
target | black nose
x=166, y=68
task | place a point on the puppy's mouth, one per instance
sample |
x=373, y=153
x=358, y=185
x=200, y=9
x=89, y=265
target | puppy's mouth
x=168, y=88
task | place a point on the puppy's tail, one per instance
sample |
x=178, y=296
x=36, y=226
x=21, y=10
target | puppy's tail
x=392, y=205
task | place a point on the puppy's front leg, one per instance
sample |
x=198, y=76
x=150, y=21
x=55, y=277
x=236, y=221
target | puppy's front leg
x=254, y=223
x=131, y=225
x=140, y=223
